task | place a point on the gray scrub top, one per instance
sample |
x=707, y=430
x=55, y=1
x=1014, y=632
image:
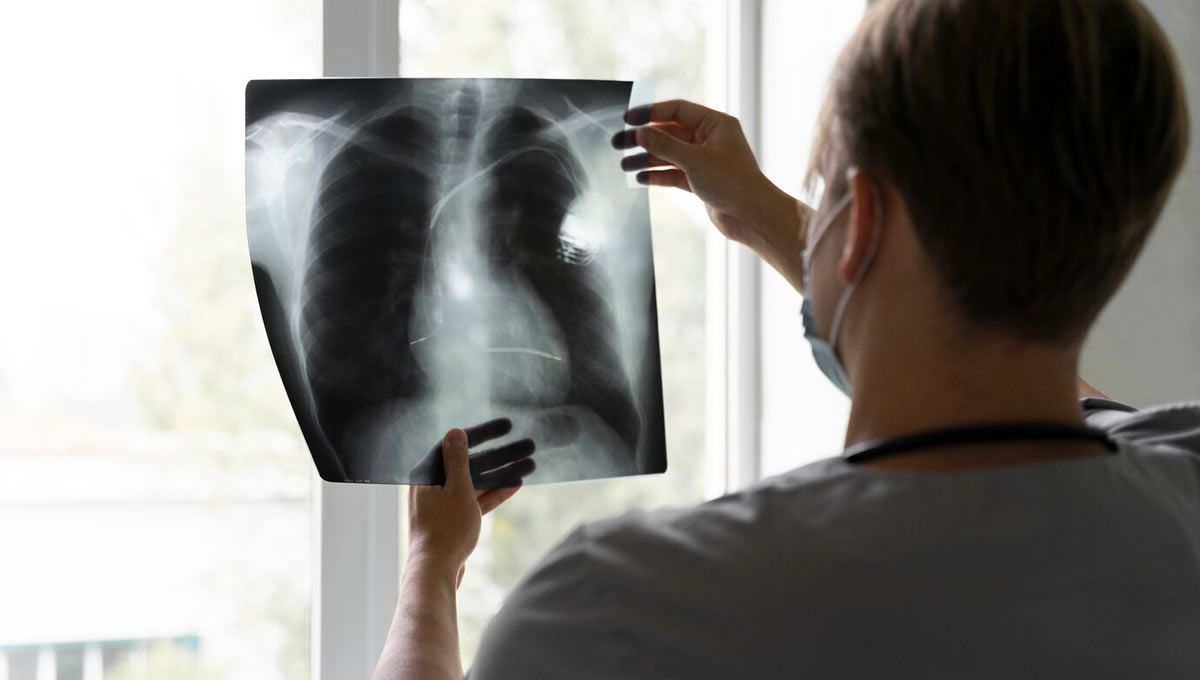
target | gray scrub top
x=1080, y=568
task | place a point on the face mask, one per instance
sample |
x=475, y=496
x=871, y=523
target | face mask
x=824, y=351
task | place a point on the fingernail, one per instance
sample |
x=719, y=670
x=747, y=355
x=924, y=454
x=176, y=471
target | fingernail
x=456, y=437
x=638, y=115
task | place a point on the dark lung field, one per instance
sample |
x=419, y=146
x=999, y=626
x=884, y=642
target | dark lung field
x=434, y=253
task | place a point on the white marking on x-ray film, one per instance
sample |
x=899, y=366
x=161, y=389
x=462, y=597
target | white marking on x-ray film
x=437, y=253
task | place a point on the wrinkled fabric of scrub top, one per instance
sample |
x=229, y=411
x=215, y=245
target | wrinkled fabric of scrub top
x=1080, y=568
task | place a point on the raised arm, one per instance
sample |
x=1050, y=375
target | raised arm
x=697, y=149
x=444, y=523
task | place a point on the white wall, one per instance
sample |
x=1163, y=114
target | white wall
x=1146, y=347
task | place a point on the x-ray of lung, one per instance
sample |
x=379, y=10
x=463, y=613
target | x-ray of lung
x=438, y=253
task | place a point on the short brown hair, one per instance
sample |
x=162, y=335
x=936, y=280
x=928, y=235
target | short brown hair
x=1034, y=141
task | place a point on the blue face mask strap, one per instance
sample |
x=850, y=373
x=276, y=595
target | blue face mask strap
x=840, y=310
x=824, y=351
x=819, y=233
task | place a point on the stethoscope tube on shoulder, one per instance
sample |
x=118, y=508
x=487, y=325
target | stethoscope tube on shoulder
x=991, y=432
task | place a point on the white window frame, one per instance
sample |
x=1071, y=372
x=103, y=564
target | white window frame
x=358, y=538
x=743, y=308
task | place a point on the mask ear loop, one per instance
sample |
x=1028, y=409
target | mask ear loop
x=840, y=310
x=810, y=245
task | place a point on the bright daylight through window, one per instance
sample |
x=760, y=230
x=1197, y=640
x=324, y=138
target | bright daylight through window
x=154, y=492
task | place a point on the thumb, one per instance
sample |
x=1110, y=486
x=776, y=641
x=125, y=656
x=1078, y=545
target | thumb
x=455, y=458
x=666, y=147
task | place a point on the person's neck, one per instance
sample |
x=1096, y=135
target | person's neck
x=903, y=387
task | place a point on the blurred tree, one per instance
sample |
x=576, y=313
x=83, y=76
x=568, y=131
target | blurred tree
x=211, y=368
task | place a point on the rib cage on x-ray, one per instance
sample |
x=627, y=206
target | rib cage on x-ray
x=438, y=270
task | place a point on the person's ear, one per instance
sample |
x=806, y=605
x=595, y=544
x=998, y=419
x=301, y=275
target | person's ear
x=863, y=223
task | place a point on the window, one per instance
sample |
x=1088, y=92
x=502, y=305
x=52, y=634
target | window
x=675, y=44
x=154, y=492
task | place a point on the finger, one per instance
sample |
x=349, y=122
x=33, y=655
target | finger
x=664, y=178
x=493, y=498
x=642, y=161
x=500, y=456
x=509, y=475
x=500, y=481
x=454, y=458
x=681, y=132
x=430, y=470
x=627, y=139
x=682, y=111
x=666, y=146
x=478, y=434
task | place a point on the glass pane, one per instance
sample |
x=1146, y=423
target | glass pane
x=669, y=42
x=154, y=494
x=804, y=415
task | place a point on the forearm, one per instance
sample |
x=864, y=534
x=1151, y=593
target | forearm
x=423, y=641
x=779, y=223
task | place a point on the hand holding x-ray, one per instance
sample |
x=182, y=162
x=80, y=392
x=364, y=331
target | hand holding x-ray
x=493, y=468
x=697, y=149
x=694, y=148
x=444, y=520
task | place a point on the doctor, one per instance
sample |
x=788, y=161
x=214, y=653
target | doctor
x=991, y=170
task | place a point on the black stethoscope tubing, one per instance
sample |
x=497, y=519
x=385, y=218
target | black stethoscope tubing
x=992, y=432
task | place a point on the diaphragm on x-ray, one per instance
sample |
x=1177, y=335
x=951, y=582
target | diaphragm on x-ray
x=437, y=253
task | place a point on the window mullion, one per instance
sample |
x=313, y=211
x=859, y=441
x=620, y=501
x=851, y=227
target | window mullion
x=358, y=542
x=743, y=327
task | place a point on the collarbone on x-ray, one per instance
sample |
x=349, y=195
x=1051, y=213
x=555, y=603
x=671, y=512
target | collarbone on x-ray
x=437, y=253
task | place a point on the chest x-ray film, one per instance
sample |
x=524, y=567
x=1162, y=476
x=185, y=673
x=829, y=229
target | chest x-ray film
x=435, y=253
